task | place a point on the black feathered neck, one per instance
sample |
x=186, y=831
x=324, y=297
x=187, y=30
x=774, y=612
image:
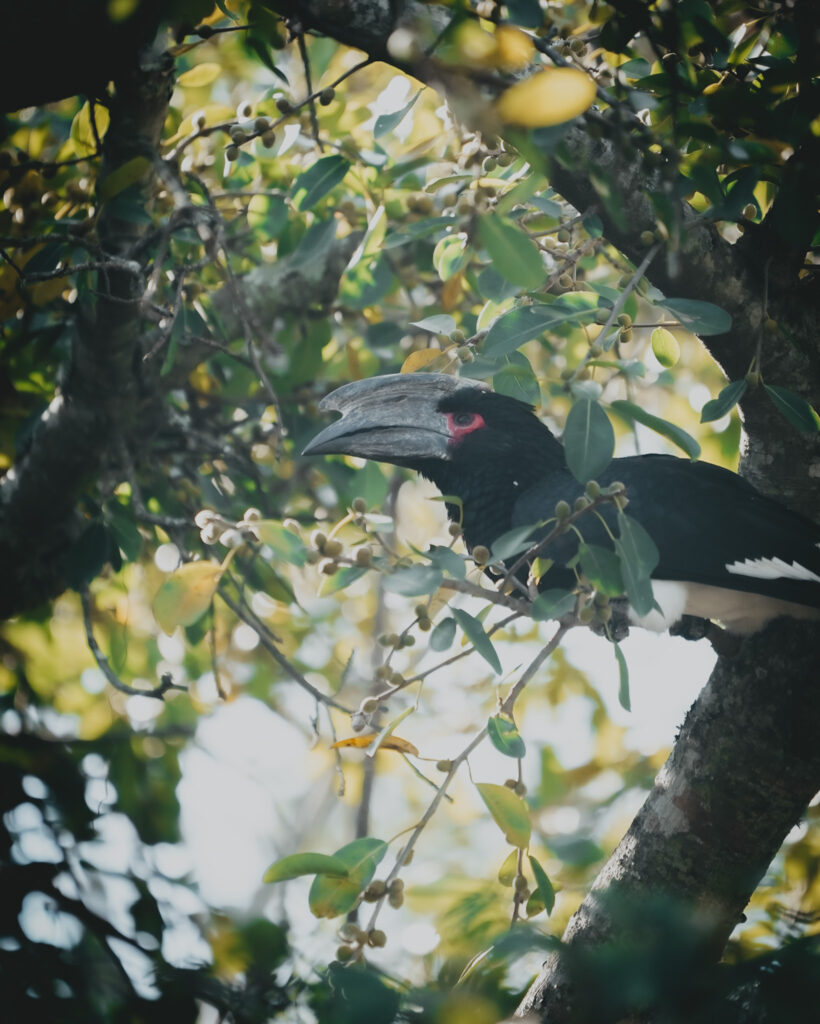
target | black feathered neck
x=492, y=466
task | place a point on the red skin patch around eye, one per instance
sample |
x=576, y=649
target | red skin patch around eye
x=458, y=431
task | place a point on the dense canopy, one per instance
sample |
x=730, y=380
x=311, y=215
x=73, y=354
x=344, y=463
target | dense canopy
x=210, y=218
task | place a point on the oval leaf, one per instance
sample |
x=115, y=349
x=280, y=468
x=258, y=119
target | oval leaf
x=186, y=594
x=443, y=635
x=450, y=255
x=388, y=743
x=678, y=436
x=331, y=896
x=513, y=329
x=428, y=359
x=318, y=180
x=201, y=75
x=509, y=812
x=639, y=556
x=509, y=869
x=305, y=864
x=552, y=604
x=518, y=380
x=514, y=254
x=543, y=885
x=665, y=347
x=474, y=632
x=285, y=544
x=725, y=401
x=702, y=318
x=505, y=737
x=796, y=409
x=439, y=323
x=589, y=440
x=602, y=568
x=414, y=581
x=546, y=98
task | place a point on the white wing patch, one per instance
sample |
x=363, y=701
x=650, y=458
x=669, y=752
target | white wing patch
x=772, y=569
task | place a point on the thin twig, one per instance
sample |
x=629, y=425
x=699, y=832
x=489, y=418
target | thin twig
x=243, y=611
x=158, y=692
x=505, y=707
x=311, y=100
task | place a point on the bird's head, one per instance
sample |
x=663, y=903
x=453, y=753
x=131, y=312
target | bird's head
x=427, y=422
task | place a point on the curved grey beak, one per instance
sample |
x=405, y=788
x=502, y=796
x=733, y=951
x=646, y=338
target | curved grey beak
x=393, y=418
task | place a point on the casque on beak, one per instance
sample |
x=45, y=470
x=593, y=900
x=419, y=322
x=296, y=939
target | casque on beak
x=393, y=418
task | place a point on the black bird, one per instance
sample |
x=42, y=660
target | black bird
x=726, y=552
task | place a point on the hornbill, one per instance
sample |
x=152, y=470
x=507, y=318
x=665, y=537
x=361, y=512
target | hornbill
x=727, y=553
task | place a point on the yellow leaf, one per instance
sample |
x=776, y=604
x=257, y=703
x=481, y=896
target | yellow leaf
x=388, y=743
x=82, y=132
x=547, y=98
x=451, y=292
x=429, y=359
x=475, y=46
x=514, y=48
x=186, y=594
x=201, y=75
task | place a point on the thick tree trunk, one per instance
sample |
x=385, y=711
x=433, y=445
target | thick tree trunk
x=744, y=767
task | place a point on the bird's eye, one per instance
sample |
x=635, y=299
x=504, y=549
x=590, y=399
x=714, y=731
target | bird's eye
x=464, y=419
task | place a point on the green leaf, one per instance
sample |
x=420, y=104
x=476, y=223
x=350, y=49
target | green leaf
x=543, y=884
x=514, y=254
x=725, y=401
x=318, y=180
x=602, y=568
x=702, y=318
x=124, y=531
x=509, y=869
x=513, y=329
x=639, y=556
x=314, y=243
x=474, y=632
x=305, y=864
x=414, y=581
x=505, y=737
x=509, y=812
x=552, y=604
x=450, y=255
x=447, y=561
x=387, y=122
x=796, y=409
x=343, y=578
x=589, y=440
x=330, y=895
x=186, y=594
x=284, y=543
x=518, y=380
x=443, y=635
x=512, y=542
x=630, y=411
x=623, y=679
x=441, y=323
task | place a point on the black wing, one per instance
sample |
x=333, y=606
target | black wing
x=703, y=519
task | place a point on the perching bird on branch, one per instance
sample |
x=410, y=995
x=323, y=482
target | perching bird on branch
x=725, y=552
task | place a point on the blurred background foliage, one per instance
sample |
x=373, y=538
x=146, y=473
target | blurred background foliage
x=104, y=914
